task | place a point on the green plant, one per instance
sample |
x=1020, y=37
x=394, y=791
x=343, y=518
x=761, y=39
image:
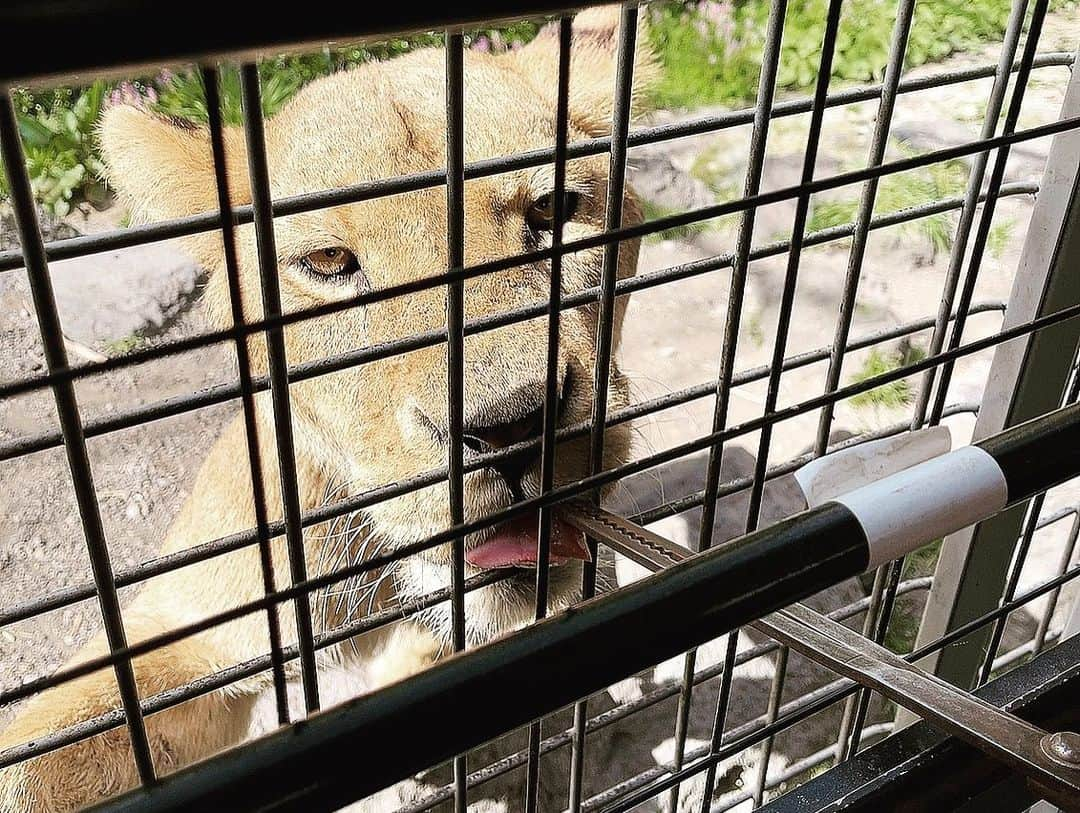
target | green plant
x=57, y=131
x=895, y=393
x=903, y=191
x=121, y=347
x=711, y=49
x=654, y=211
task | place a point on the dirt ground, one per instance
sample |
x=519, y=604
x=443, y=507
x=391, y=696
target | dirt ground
x=672, y=340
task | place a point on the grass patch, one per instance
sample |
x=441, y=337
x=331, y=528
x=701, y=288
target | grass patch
x=655, y=211
x=895, y=394
x=902, y=191
x=711, y=49
x=121, y=347
x=998, y=238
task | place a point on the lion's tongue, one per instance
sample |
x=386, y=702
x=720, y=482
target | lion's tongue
x=514, y=544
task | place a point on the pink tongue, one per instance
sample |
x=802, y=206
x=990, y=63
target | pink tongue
x=514, y=545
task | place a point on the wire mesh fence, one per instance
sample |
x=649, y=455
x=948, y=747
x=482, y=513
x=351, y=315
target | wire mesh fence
x=584, y=265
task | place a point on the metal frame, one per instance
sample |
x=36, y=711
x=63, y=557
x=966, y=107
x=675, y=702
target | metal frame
x=1041, y=325
x=1027, y=377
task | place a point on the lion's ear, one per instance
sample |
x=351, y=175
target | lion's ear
x=594, y=53
x=163, y=168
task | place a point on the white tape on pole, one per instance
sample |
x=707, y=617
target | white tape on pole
x=927, y=501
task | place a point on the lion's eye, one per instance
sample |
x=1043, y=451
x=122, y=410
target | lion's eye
x=334, y=262
x=541, y=214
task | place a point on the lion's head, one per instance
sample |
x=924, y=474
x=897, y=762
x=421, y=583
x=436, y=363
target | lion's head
x=379, y=423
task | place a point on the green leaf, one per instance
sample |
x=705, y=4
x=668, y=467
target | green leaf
x=33, y=132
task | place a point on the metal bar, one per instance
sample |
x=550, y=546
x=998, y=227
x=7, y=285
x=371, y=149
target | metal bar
x=609, y=274
x=654, y=226
x=1004, y=736
x=759, y=137
x=905, y=770
x=840, y=648
x=1028, y=377
x=279, y=378
x=1017, y=566
x=551, y=390
x=878, y=619
x=663, y=692
x=534, y=666
x=243, y=365
x=997, y=175
x=1051, y=603
x=295, y=204
x=455, y=351
x=67, y=410
x=879, y=141
x=783, y=321
x=994, y=104
x=307, y=370
x=799, y=710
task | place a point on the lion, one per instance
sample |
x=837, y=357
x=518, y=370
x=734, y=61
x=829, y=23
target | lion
x=365, y=426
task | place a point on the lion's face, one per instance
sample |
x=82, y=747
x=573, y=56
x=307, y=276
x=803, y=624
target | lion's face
x=383, y=422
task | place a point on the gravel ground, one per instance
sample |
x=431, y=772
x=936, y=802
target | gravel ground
x=672, y=340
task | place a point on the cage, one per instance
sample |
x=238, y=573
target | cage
x=559, y=710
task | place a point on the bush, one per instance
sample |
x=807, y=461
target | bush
x=711, y=49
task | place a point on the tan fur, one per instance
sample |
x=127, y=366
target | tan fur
x=359, y=428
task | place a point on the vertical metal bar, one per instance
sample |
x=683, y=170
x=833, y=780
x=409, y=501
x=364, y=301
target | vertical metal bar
x=997, y=176
x=67, y=410
x=1016, y=568
x=1055, y=595
x=759, y=136
x=878, y=143
x=455, y=349
x=883, y=597
x=1027, y=378
x=783, y=322
x=551, y=391
x=994, y=104
x=1020, y=558
x=882, y=600
x=620, y=131
x=279, y=371
x=860, y=237
x=243, y=365
x=776, y=691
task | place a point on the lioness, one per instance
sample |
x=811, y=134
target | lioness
x=370, y=425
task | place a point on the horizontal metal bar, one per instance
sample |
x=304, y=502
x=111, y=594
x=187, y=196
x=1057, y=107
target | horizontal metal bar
x=846, y=652
x=593, y=241
x=295, y=204
x=586, y=484
x=221, y=393
x=208, y=683
x=98, y=37
x=535, y=667
x=664, y=691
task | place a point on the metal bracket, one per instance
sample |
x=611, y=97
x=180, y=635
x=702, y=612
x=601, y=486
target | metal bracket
x=1049, y=761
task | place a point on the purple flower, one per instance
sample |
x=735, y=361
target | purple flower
x=482, y=44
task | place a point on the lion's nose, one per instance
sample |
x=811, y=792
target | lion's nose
x=482, y=436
